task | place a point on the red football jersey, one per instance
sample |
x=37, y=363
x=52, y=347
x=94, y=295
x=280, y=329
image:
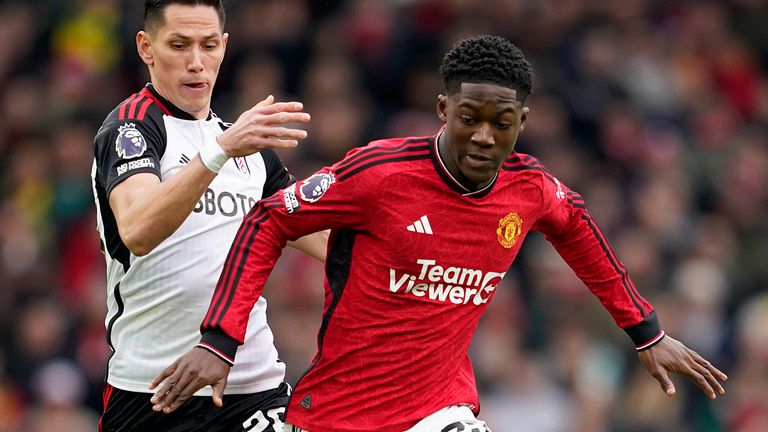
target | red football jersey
x=413, y=260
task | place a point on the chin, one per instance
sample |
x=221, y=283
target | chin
x=193, y=108
x=480, y=177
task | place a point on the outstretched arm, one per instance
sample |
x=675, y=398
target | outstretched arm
x=313, y=245
x=669, y=355
x=148, y=211
x=580, y=241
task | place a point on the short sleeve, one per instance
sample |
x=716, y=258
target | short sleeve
x=278, y=176
x=128, y=147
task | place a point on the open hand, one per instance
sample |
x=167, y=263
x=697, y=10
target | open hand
x=188, y=374
x=262, y=127
x=670, y=355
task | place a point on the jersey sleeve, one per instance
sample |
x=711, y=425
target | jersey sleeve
x=321, y=201
x=128, y=147
x=278, y=176
x=578, y=239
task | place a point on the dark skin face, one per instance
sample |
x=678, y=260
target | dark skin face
x=482, y=122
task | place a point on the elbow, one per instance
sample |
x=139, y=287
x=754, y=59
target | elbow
x=138, y=243
x=139, y=250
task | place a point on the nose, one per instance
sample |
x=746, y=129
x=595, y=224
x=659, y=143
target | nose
x=195, y=60
x=483, y=135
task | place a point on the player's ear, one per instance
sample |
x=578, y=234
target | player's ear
x=442, y=108
x=524, y=117
x=225, y=38
x=144, y=47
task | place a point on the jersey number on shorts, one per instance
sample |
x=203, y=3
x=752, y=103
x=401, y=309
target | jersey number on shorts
x=467, y=426
x=259, y=422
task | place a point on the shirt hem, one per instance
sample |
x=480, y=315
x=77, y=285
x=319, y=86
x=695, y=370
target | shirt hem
x=261, y=386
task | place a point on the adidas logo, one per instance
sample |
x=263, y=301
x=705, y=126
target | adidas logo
x=420, y=226
x=306, y=402
x=184, y=159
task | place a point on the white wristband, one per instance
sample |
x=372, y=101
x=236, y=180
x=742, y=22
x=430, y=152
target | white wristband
x=213, y=156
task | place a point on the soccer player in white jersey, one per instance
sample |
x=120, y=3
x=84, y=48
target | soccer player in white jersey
x=172, y=183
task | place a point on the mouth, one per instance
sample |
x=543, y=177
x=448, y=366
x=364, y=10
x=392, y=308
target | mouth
x=196, y=85
x=477, y=157
x=480, y=162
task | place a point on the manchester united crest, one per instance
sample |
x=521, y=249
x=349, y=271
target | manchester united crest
x=510, y=227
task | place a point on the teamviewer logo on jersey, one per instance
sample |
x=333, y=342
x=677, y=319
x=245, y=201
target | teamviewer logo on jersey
x=420, y=226
x=456, y=285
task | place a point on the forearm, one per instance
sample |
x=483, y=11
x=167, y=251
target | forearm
x=584, y=247
x=314, y=244
x=148, y=213
x=251, y=258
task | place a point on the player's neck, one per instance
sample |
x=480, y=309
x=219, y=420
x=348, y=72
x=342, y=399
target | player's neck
x=453, y=169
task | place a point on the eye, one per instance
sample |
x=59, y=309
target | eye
x=210, y=46
x=467, y=120
x=177, y=45
x=503, y=125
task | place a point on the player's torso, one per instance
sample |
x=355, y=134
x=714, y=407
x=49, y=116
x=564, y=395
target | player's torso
x=155, y=312
x=192, y=256
x=432, y=261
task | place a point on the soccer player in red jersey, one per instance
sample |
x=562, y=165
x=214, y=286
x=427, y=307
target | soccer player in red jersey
x=423, y=230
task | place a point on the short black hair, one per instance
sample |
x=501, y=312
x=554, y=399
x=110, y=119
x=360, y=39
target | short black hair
x=487, y=59
x=154, y=10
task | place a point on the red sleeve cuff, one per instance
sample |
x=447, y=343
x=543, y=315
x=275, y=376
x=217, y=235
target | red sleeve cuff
x=220, y=344
x=646, y=333
x=652, y=342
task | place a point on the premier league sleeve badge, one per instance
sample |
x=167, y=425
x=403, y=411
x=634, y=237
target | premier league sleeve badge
x=130, y=143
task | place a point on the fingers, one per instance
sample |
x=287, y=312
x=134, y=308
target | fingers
x=704, y=380
x=264, y=126
x=713, y=370
x=170, y=390
x=672, y=356
x=277, y=143
x=182, y=396
x=163, y=375
x=705, y=377
x=218, y=393
x=666, y=384
x=283, y=117
x=288, y=133
x=269, y=100
x=279, y=107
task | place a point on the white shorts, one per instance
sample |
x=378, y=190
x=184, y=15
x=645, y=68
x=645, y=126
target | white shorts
x=449, y=419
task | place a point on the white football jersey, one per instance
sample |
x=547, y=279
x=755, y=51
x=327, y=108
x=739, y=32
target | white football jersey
x=156, y=302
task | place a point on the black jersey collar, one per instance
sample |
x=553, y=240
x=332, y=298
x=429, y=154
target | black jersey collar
x=171, y=108
x=449, y=179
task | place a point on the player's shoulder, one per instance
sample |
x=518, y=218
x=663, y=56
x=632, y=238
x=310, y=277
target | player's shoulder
x=140, y=110
x=137, y=119
x=384, y=156
x=521, y=162
x=525, y=166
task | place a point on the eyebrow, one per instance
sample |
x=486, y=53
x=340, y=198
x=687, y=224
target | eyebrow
x=187, y=38
x=470, y=105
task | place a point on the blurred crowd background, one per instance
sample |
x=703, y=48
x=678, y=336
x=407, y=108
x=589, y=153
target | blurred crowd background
x=655, y=111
